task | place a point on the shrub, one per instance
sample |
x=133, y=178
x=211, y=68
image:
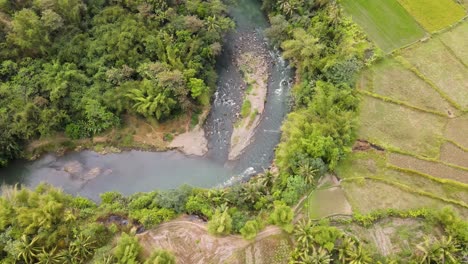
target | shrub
x=220, y=223
x=161, y=257
x=128, y=249
x=282, y=216
x=246, y=108
x=250, y=229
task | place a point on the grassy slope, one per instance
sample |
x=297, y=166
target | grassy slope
x=398, y=97
x=434, y=15
x=385, y=21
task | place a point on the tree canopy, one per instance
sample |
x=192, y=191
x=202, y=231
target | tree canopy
x=77, y=66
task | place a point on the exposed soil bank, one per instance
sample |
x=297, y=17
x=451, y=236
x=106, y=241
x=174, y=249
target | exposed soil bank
x=187, y=238
x=192, y=142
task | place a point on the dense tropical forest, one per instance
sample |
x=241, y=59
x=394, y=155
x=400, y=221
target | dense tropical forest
x=77, y=66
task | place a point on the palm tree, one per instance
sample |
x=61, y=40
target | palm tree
x=358, y=255
x=67, y=256
x=304, y=49
x=347, y=244
x=26, y=249
x=438, y=251
x=212, y=24
x=267, y=180
x=82, y=247
x=48, y=257
x=320, y=256
x=251, y=193
x=307, y=171
x=304, y=233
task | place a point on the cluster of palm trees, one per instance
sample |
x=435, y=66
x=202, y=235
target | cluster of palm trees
x=29, y=250
x=339, y=249
x=443, y=250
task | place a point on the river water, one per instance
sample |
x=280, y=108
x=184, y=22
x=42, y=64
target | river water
x=88, y=173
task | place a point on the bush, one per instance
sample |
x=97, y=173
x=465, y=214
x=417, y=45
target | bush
x=175, y=199
x=250, y=229
x=220, y=223
x=199, y=205
x=151, y=217
x=161, y=257
x=282, y=216
x=246, y=108
x=238, y=219
x=75, y=131
x=128, y=249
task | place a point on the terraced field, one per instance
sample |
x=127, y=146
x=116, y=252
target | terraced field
x=385, y=21
x=415, y=107
x=434, y=15
x=393, y=24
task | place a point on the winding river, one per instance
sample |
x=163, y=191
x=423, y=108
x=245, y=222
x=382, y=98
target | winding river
x=88, y=173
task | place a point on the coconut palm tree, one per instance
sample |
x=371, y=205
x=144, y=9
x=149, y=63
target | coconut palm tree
x=346, y=246
x=358, y=255
x=27, y=249
x=267, y=180
x=304, y=233
x=438, y=251
x=251, y=193
x=307, y=171
x=48, y=257
x=82, y=247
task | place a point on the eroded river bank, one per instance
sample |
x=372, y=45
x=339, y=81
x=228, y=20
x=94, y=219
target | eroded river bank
x=88, y=173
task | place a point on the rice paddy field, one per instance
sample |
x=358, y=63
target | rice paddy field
x=415, y=109
x=393, y=24
x=386, y=22
x=434, y=15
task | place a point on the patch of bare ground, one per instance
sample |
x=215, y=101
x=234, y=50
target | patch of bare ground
x=453, y=154
x=190, y=242
x=254, y=67
x=427, y=167
x=192, y=142
x=457, y=130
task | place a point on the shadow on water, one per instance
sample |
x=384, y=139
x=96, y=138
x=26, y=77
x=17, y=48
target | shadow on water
x=87, y=173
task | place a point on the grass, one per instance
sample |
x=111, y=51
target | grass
x=391, y=79
x=434, y=15
x=453, y=154
x=456, y=130
x=438, y=64
x=368, y=195
x=455, y=39
x=370, y=164
x=386, y=22
x=246, y=108
x=400, y=127
x=327, y=202
x=435, y=169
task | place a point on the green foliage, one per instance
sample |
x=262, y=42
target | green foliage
x=127, y=250
x=250, y=229
x=161, y=257
x=152, y=217
x=199, y=205
x=220, y=223
x=295, y=188
x=324, y=130
x=76, y=66
x=246, y=108
x=282, y=216
x=47, y=226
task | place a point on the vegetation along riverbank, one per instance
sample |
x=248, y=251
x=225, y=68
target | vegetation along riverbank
x=376, y=127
